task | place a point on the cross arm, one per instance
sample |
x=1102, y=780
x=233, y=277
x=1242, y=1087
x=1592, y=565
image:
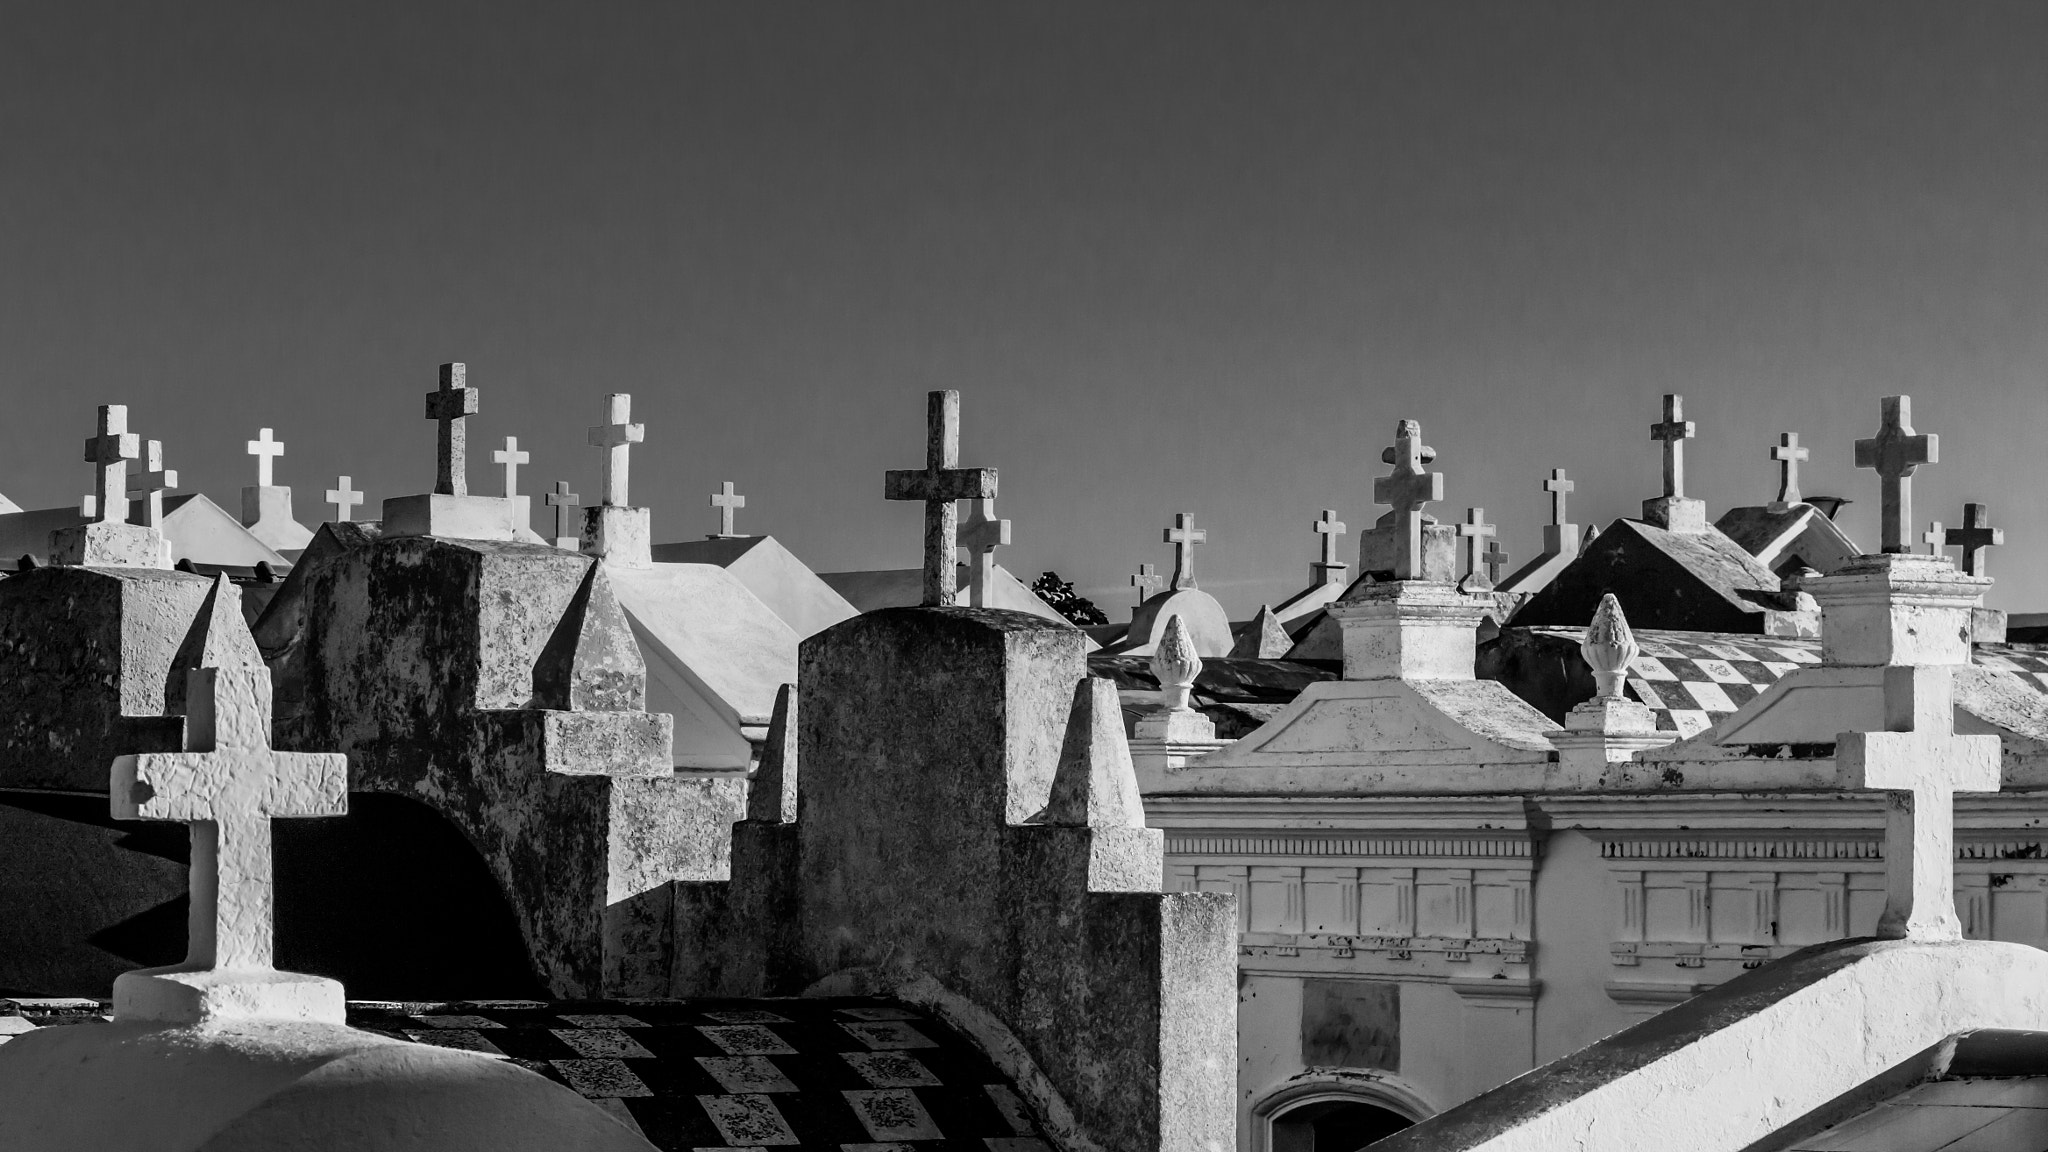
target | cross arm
x=214, y=785
x=939, y=484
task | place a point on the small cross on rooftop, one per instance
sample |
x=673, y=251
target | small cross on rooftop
x=110, y=452
x=1184, y=536
x=343, y=498
x=511, y=457
x=1973, y=537
x=1473, y=530
x=1674, y=431
x=1894, y=453
x=616, y=436
x=266, y=451
x=981, y=534
x=1147, y=580
x=151, y=482
x=451, y=404
x=727, y=502
x=1788, y=454
x=564, y=502
x=1935, y=538
x=1496, y=558
x=1559, y=488
x=1329, y=570
x=938, y=484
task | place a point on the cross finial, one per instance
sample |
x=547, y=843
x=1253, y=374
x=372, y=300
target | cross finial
x=1328, y=570
x=266, y=450
x=151, y=482
x=511, y=457
x=1473, y=531
x=981, y=534
x=616, y=436
x=1973, y=537
x=1559, y=488
x=1496, y=558
x=1894, y=453
x=727, y=502
x=343, y=498
x=1788, y=454
x=451, y=404
x=1920, y=764
x=1934, y=538
x=1674, y=431
x=1146, y=580
x=938, y=484
x=563, y=502
x=1184, y=536
x=1405, y=490
x=110, y=452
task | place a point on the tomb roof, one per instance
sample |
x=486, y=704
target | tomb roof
x=1784, y=537
x=786, y=584
x=700, y=625
x=1681, y=580
x=198, y=529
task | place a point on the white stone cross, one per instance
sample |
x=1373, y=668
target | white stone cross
x=511, y=457
x=1674, y=431
x=981, y=534
x=616, y=436
x=151, y=482
x=110, y=452
x=1788, y=454
x=1973, y=537
x=1921, y=764
x=1405, y=490
x=564, y=502
x=1894, y=453
x=1184, y=536
x=343, y=499
x=266, y=451
x=453, y=402
x=1147, y=580
x=1496, y=558
x=1559, y=488
x=1935, y=539
x=1472, y=531
x=1329, y=570
x=728, y=502
x=938, y=484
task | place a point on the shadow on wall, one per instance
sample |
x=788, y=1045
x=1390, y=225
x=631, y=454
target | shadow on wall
x=390, y=900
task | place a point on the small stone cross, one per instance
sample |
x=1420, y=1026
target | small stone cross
x=616, y=436
x=727, y=502
x=1329, y=570
x=564, y=502
x=1473, y=530
x=1788, y=454
x=1184, y=536
x=151, y=482
x=1674, y=431
x=1559, y=488
x=266, y=451
x=1934, y=538
x=110, y=452
x=453, y=402
x=511, y=457
x=1894, y=453
x=1973, y=537
x=981, y=534
x=1408, y=487
x=1920, y=764
x=1496, y=558
x=343, y=499
x=938, y=484
x=1147, y=580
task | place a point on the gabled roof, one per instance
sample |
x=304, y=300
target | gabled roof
x=803, y=600
x=198, y=529
x=1685, y=581
x=1801, y=534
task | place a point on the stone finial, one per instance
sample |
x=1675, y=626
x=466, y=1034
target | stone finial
x=1973, y=537
x=151, y=483
x=1095, y=785
x=1328, y=570
x=727, y=502
x=938, y=484
x=450, y=405
x=1610, y=728
x=1263, y=638
x=266, y=450
x=109, y=453
x=1147, y=580
x=1184, y=536
x=981, y=534
x=565, y=503
x=510, y=457
x=1609, y=647
x=343, y=498
x=1175, y=664
x=1788, y=454
x=771, y=795
x=1894, y=453
x=1920, y=764
x=616, y=436
x=591, y=663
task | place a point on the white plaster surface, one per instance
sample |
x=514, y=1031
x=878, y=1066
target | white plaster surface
x=804, y=601
x=451, y=517
x=267, y=514
x=1207, y=624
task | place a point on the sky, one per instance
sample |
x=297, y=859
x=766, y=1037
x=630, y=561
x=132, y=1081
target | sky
x=1176, y=257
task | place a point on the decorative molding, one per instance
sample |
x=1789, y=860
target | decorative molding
x=1653, y=994
x=1481, y=848
x=1451, y=949
x=1497, y=991
x=1695, y=848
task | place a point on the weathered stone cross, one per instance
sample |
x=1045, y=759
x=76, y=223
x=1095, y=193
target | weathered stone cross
x=151, y=482
x=616, y=436
x=981, y=534
x=1788, y=454
x=453, y=402
x=110, y=452
x=343, y=499
x=1894, y=453
x=1921, y=764
x=1674, y=431
x=1147, y=580
x=511, y=457
x=266, y=451
x=938, y=484
x=1472, y=531
x=1559, y=488
x=1973, y=537
x=564, y=502
x=1934, y=538
x=1406, y=489
x=727, y=502
x=1184, y=536
x=1329, y=570
x=1496, y=558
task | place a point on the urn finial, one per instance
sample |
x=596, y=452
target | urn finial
x=1609, y=647
x=1175, y=664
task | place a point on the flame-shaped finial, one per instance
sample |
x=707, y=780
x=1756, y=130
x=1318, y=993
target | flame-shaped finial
x=1175, y=664
x=1609, y=647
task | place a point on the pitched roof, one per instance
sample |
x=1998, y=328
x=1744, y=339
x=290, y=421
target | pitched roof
x=1800, y=533
x=1677, y=580
x=198, y=529
x=803, y=600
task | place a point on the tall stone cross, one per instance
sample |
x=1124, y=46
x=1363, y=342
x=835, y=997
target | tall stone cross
x=266, y=450
x=511, y=457
x=1920, y=764
x=1935, y=538
x=1184, y=536
x=1473, y=531
x=343, y=499
x=109, y=453
x=1559, y=488
x=564, y=502
x=728, y=502
x=1147, y=580
x=981, y=534
x=1496, y=558
x=1788, y=454
x=1674, y=431
x=151, y=482
x=451, y=404
x=939, y=483
x=1329, y=570
x=1405, y=490
x=616, y=436
x=1894, y=453
x=1973, y=537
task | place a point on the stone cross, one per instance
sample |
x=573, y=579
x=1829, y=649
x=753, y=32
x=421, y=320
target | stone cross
x=110, y=452
x=981, y=534
x=453, y=402
x=1674, y=431
x=151, y=482
x=1184, y=536
x=563, y=501
x=1473, y=530
x=266, y=451
x=938, y=484
x=343, y=499
x=727, y=502
x=1894, y=453
x=1329, y=570
x=1496, y=558
x=1405, y=490
x=1934, y=538
x=1920, y=764
x=1788, y=454
x=1147, y=580
x=1973, y=537
x=511, y=457
x=616, y=436
x=1559, y=488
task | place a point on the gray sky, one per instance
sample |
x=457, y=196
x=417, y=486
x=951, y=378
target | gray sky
x=1176, y=257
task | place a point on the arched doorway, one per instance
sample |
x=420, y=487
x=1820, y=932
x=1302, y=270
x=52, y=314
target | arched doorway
x=1334, y=1110
x=1337, y=1125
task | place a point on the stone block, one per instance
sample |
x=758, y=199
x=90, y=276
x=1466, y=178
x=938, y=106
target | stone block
x=619, y=536
x=1897, y=608
x=109, y=544
x=1678, y=514
x=1409, y=629
x=1380, y=550
x=451, y=517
